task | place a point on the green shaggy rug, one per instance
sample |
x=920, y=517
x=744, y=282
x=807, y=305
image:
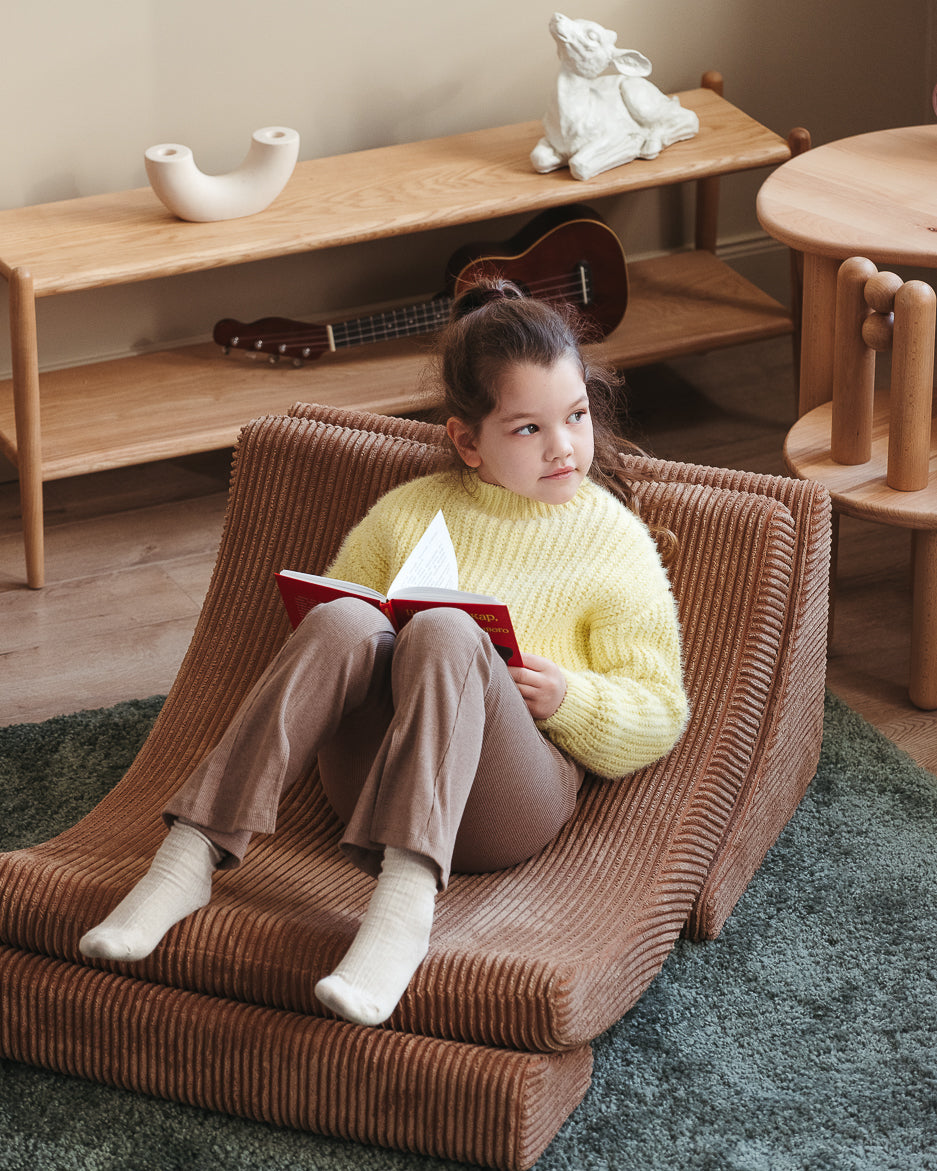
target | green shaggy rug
x=803, y=1039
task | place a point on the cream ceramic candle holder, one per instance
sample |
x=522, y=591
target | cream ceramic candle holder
x=192, y=195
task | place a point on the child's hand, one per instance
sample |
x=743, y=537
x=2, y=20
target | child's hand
x=541, y=683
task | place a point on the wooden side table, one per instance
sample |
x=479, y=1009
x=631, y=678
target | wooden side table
x=874, y=195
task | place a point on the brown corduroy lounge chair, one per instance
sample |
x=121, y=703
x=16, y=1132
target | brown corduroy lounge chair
x=488, y=1052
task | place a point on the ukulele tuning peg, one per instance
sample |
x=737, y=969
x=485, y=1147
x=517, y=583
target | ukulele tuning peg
x=297, y=363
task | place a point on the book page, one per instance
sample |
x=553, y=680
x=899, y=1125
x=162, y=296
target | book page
x=432, y=562
x=441, y=594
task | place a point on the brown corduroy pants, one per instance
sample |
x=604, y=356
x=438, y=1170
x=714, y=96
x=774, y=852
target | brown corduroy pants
x=423, y=740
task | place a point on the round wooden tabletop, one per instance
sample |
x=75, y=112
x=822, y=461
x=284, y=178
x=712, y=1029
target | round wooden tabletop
x=872, y=195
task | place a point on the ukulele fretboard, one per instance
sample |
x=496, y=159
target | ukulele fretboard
x=403, y=322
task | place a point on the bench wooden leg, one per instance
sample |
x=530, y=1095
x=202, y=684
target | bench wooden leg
x=26, y=406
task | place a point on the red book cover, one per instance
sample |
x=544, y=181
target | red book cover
x=427, y=579
x=303, y=591
x=490, y=614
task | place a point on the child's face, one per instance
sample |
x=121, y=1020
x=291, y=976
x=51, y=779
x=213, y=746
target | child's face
x=538, y=441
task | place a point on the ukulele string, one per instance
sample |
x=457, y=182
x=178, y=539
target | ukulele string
x=435, y=313
x=410, y=319
x=417, y=319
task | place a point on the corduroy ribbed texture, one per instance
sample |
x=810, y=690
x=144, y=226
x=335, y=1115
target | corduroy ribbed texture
x=492, y=1107
x=792, y=727
x=540, y=958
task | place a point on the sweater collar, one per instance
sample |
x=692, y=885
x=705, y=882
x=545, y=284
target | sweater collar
x=503, y=504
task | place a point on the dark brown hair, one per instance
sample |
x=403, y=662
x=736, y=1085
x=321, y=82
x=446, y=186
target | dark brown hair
x=493, y=325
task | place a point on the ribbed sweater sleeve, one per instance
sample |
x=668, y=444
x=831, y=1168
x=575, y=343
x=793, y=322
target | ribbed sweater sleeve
x=585, y=587
x=628, y=707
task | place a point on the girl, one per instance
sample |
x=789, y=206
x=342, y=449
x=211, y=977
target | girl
x=435, y=755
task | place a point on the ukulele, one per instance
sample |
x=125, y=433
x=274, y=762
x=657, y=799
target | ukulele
x=566, y=255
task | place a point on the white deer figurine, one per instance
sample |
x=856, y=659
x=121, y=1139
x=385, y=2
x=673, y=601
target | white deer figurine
x=595, y=122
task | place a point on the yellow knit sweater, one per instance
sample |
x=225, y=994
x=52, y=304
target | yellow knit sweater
x=585, y=587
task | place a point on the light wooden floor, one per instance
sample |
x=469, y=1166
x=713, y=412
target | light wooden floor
x=130, y=553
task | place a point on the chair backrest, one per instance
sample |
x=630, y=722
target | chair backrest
x=875, y=312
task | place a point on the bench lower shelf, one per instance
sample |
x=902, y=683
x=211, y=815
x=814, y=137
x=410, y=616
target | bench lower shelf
x=177, y=402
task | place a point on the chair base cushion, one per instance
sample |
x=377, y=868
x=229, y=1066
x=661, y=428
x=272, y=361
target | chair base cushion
x=456, y=1101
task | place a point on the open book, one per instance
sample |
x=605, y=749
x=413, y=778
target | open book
x=428, y=578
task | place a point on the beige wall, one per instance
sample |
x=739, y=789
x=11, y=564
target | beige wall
x=88, y=86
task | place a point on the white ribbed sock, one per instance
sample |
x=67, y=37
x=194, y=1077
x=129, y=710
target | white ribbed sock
x=391, y=943
x=177, y=883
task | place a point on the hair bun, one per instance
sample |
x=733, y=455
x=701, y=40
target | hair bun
x=485, y=292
